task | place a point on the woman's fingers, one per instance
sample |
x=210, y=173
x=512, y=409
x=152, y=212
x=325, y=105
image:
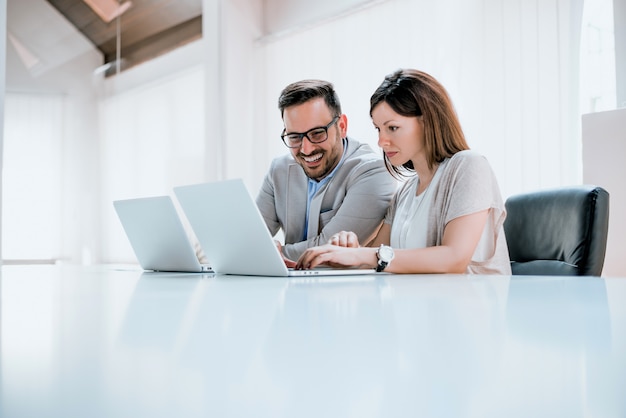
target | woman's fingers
x=312, y=257
x=344, y=239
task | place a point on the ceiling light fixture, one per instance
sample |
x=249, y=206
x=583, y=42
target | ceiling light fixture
x=108, y=9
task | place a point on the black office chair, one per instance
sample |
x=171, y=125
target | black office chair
x=558, y=232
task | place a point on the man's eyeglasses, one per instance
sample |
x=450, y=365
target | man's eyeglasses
x=315, y=135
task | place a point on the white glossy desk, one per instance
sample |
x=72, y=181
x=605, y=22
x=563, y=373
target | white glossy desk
x=101, y=342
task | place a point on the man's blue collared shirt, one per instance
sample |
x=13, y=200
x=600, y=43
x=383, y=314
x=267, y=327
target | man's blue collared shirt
x=315, y=186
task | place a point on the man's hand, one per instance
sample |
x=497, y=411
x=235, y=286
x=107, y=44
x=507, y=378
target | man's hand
x=345, y=239
x=289, y=263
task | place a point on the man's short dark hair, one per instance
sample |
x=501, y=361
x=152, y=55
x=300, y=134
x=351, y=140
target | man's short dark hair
x=305, y=90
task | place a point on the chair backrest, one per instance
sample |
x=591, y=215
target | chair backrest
x=558, y=232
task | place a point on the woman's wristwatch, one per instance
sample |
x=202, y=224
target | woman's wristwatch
x=385, y=255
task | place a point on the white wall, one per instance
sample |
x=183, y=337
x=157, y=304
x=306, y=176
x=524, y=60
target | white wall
x=3, y=24
x=619, y=15
x=604, y=163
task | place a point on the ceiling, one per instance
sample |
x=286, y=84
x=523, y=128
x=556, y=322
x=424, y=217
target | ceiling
x=148, y=28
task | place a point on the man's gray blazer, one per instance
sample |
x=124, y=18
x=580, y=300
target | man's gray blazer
x=355, y=199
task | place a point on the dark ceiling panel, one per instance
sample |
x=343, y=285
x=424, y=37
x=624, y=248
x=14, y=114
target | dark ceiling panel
x=148, y=29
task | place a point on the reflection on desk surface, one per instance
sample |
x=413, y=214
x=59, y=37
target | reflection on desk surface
x=123, y=343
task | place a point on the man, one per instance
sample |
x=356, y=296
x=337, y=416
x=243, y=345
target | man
x=330, y=182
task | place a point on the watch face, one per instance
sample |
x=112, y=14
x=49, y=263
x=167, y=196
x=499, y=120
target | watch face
x=385, y=253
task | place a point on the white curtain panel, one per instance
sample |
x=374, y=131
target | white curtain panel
x=511, y=67
x=32, y=180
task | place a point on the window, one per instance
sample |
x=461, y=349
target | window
x=597, y=58
x=31, y=213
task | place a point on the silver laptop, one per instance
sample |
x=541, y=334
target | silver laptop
x=233, y=234
x=157, y=235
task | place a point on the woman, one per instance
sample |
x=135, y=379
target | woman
x=447, y=217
